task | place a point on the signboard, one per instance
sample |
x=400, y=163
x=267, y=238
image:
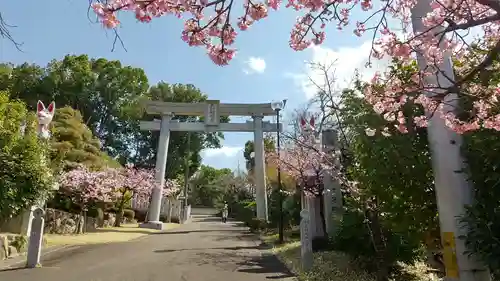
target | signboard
x=212, y=113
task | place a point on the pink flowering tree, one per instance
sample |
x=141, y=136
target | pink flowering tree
x=306, y=164
x=446, y=28
x=131, y=182
x=86, y=187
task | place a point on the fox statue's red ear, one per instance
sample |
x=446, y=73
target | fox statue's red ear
x=302, y=122
x=311, y=122
x=52, y=107
x=40, y=106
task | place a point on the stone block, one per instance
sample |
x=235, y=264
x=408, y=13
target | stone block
x=12, y=251
x=4, y=247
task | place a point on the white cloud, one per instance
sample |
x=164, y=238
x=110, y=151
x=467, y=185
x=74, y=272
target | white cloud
x=225, y=151
x=346, y=60
x=254, y=65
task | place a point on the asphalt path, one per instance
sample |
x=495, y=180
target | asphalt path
x=203, y=250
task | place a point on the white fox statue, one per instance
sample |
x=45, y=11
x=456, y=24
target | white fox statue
x=44, y=116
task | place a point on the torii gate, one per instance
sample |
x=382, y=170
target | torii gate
x=211, y=110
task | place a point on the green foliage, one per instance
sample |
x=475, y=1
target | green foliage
x=291, y=209
x=269, y=145
x=354, y=230
x=73, y=142
x=257, y=225
x=208, y=187
x=482, y=149
x=25, y=176
x=103, y=91
x=408, y=203
x=243, y=210
x=108, y=95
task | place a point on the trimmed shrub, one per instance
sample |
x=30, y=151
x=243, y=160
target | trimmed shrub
x=129, y=214
x=256, y=224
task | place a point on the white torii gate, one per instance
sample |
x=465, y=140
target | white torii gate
x=211, y=110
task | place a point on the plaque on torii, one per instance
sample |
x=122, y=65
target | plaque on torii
x=212, y=115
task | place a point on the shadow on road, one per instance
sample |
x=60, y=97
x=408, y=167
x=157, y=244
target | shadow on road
x=170, y=232
x=197, y=231
x=206, y=219
x=266, y=264
x=243, y=237
x=115, y=230
x=258, y=247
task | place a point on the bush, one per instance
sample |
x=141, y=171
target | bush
x=24, y=177
x=256, y=224
x=482, y=150
x=338, y=266
x=322, y=244
x=128, y=214
x=140, y=216
x=243, y=211
x=353, y=238
x=291, y=209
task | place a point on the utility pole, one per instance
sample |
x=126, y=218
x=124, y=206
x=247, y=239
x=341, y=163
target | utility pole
x=453, y=190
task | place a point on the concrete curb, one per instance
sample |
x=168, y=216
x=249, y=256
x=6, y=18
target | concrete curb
x=20, y=258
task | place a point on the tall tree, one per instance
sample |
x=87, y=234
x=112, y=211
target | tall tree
x=107, y=95
x=269, y=146
x=105, y=92
x=73, y=142
x=208, y=185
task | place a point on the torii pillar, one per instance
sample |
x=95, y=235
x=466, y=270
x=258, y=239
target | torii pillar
x=260, y=172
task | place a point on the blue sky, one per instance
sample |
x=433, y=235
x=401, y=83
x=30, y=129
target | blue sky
x=264, y=69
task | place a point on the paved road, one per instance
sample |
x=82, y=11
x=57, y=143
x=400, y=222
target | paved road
x=203, y=250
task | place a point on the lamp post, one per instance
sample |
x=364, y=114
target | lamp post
x=252, y=165
x=277, y=106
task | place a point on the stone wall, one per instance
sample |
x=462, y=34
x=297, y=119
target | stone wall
x=13, y=244
x=59, y=222
x=13, y=225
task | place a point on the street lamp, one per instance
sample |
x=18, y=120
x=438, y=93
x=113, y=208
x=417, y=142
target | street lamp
x=252, y=165
x=277, y=106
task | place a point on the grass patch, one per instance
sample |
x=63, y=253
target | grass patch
x=124, y=233
x=328, y=266
x=336, y=266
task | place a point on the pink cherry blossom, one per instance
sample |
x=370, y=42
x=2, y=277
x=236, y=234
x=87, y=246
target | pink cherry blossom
x=304, y=162
x=85, y=186
x=212, y=24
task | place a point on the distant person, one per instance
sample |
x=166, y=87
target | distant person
x=225, y=212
